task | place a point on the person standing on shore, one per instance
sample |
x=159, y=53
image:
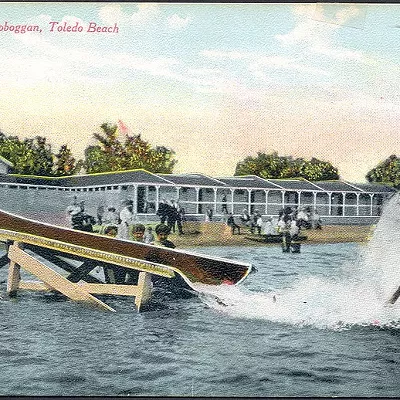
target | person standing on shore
x=73, y=209
x=224, y=209
x=126, y=218
x=163, y=209
x=111, y=217
x=316, y=220
x=269, y=229
x=231, y=222
x=179, y=215
x=209, y=214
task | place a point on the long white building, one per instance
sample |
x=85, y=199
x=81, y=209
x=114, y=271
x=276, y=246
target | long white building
x=338, y=202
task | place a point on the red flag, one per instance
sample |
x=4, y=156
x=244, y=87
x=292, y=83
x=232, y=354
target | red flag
x=122, y=127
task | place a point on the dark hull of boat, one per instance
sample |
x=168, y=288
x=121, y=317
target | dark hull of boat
x=271, y=238
x=191, y=266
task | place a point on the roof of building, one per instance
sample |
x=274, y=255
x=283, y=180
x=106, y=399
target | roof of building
x=248, y=181
x=191, y=180
x=295, y=184
x=374, y=187
x=106, y=179
x=336, y=186
x=143, y=177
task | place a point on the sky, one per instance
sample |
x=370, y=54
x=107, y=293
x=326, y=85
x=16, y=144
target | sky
x=214, y=82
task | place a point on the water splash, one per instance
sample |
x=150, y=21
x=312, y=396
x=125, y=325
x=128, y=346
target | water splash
x=360, y=298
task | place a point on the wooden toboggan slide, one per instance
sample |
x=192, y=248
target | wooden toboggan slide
x=28, y=242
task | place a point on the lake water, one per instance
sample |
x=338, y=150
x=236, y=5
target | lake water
x=328, y=333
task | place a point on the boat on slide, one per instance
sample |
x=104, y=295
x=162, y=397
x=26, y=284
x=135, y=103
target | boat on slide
x=162, y=261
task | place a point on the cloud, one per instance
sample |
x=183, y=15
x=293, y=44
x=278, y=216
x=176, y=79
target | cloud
x=145, y=13
x=232, y=55
x=77, y=64
x=112, y=13
x=277, y=62
x=257, y=63
x=314, y=31
x=176, y=22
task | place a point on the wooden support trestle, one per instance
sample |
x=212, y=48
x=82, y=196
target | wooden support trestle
x=74, y=286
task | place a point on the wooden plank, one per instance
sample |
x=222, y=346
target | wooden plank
x=117, y=259
x=14, y=275
x=52, y=256
x=106, y=288
x=53, y=279
x=144, y=289
x=33, y=285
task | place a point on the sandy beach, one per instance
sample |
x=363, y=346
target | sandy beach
x=218, y=234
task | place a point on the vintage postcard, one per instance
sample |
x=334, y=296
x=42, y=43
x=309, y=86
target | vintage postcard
x=199, y=199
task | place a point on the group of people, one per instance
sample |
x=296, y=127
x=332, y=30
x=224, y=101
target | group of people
x=254, y=222
x=304, y=217
x=173, y=214
x=289, y=220
x=121, y=225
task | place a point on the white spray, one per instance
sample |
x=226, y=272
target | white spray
x=361, y=298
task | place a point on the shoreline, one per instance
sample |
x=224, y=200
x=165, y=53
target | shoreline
x=217, y=234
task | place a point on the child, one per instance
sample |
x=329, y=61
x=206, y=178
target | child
x=162, y=232
x=138, y=233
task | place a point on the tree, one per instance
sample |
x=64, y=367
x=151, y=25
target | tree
x=35, y=157
x=274, y=166
x=386, y=172
x=317, y=170
x=30, y=157
x=65, y=164
x=134, y=152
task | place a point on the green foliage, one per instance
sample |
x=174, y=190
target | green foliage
x=134, y=152
x=31, y=156
x=386, y=172
x=278, y=167
x=65, y=164
x=35, y=157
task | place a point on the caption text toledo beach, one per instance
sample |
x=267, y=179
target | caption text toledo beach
x=54, y=26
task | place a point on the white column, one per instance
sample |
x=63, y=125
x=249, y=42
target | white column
x=344, y=204
x=314, y=200
x=370, y=211
x=249, y=200
x=157, y=196
x=266, y=201
x=298, y=199
x=358, y=204
x=197, y=199
x=232, y=191
x=329, y=203
x=134, y=195
x=215, y=200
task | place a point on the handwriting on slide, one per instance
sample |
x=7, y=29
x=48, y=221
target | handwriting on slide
x=60, y=27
